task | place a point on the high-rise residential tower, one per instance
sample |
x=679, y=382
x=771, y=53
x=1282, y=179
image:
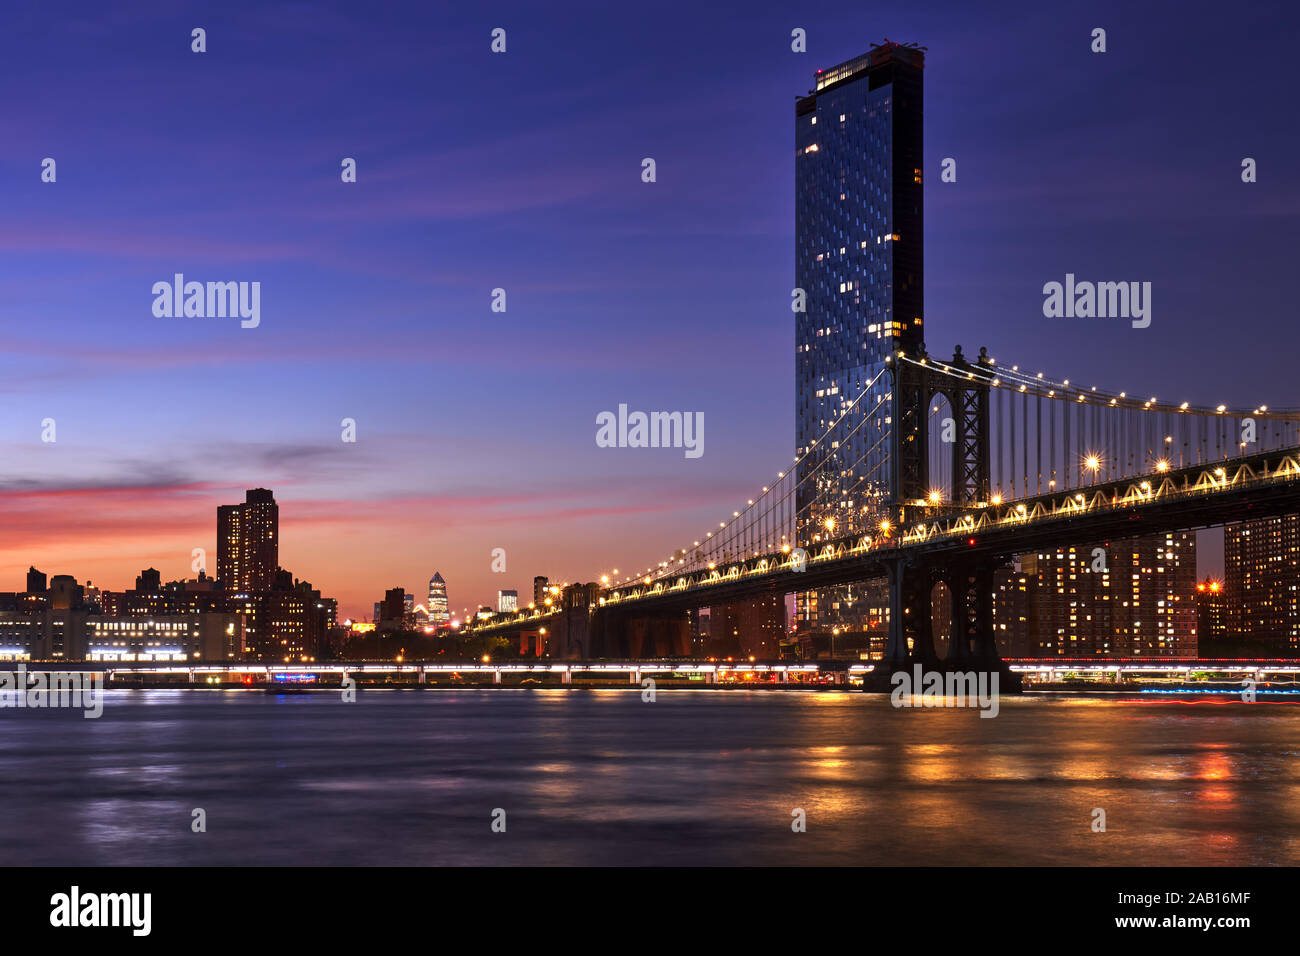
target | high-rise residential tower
x=248, y=543
x=1262, y=582
x=858, y=262
x=437, y=603
x=1129, y=598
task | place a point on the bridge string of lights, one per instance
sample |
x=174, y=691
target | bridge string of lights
x=1066, y=436
x=1267, y=472
x=1062, y=436
x=770, y=519
x=1057, y=436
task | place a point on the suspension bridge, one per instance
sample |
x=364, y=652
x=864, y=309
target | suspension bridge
x=941, y=471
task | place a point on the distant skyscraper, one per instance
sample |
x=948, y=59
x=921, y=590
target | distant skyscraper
x=507, y=601
x=858, y=259
x=437, y=603
x=36, y=581
x=248, y=545
x=392, y=610
x=540, y=586
x=1261, y=561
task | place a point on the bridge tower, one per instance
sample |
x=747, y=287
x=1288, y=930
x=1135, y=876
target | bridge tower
x=966, y=387
x=915, y=386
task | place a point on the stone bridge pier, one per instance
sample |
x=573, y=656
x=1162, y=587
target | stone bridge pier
x=972, y=646
x=637, y=636
x=585, y=629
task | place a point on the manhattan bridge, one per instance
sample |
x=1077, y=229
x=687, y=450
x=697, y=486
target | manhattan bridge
x=942, y=470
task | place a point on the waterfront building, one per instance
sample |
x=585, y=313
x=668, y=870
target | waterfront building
x=184, y=637
x=1126, y=598
x=1262, y=583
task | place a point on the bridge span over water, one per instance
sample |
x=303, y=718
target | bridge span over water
x=941, y=471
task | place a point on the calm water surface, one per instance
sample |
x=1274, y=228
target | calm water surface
x=598, y=777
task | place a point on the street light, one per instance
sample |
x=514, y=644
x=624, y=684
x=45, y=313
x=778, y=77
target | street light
x=1093, y=464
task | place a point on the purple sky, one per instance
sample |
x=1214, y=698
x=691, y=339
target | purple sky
x=522, y=171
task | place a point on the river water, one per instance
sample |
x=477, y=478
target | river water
x=601, y=777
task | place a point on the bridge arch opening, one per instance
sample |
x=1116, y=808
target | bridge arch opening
x=943, y=430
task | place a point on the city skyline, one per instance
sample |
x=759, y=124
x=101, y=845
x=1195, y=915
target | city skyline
x=582, y=435
x=161, y=420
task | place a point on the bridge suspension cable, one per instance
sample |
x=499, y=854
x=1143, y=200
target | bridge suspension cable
x=1043, y=435
x=1050, y=435
x=843, y=473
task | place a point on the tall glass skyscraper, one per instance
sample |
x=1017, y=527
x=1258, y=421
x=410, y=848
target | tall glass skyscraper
x=858, y=259
x=437, y=603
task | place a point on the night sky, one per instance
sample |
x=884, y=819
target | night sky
x=522, y=171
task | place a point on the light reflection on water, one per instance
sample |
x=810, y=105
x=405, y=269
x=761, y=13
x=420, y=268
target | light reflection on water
x=698, y=777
